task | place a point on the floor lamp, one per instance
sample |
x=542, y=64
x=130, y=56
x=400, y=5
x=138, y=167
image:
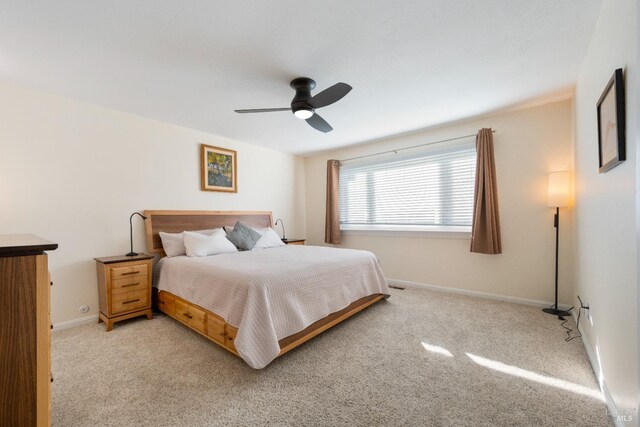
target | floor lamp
x=558, y=193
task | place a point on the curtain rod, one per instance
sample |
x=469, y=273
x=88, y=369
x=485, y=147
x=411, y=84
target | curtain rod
x=409, y=148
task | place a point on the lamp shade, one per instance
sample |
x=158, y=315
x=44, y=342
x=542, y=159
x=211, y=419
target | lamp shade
x=559, y=188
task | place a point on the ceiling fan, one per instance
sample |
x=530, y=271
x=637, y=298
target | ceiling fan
x=304, y=105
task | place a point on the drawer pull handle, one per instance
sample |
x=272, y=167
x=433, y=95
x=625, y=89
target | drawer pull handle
x=187, y=315
x=226, y=336
x=130, y=284
x=51, y=326
x=133, y=300
x=129, y=272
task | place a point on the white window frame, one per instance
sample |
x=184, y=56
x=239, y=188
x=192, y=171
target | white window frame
x=396, y=230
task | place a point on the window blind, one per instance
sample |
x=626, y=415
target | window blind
x=426, y=189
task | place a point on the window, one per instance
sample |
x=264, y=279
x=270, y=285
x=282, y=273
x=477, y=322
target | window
x=425, y=191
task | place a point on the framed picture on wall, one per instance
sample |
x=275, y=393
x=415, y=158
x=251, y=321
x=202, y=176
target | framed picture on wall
x=611, y=124
x=219, y=169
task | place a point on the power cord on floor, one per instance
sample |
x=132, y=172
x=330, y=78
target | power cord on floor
x=564, y=322
x=569, y=330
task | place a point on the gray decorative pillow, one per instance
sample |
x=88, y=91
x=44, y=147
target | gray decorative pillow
x=243, y=237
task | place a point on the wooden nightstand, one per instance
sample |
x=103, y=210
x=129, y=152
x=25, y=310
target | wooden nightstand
x=294, y=241
x=124, y=288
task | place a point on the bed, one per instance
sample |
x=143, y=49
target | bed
x=259, y=304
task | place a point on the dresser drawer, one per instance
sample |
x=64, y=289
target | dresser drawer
x=190, y=315
x=128, y=271
x=129, y=301
x=130, y=283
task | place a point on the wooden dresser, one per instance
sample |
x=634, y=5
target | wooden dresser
x=124, y=288
x=25, y=331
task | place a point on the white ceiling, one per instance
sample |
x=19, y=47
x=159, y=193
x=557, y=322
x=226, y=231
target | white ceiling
x=412, y=64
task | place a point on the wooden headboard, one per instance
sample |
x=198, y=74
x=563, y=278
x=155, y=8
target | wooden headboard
x=178, y=221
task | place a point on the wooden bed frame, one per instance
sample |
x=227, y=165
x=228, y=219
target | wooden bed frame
x=203, y=321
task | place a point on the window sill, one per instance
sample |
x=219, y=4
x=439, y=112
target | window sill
x=434, y=232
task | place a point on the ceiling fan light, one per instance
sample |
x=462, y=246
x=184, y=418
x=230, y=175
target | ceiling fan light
x=303, y=113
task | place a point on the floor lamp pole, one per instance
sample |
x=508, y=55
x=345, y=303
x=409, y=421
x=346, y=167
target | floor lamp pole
x=554, y=310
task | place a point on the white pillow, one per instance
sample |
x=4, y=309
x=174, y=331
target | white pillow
x=269, y=239
x=197, y=244
x=173, y=243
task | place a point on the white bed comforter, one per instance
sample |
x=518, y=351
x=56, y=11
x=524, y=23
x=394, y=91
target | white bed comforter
x=272, y=293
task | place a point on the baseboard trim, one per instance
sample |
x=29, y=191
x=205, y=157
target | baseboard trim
x=498, y=297
x=611, y=404
x=75, y=322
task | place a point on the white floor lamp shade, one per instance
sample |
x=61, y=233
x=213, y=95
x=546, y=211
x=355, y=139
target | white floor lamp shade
x=559, y=187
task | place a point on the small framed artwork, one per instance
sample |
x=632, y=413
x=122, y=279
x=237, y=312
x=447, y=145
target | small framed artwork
x=611, y=124
x=219, y=169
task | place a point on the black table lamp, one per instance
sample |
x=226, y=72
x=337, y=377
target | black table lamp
x=131, y=231
x=281, y=223
x=559, y=187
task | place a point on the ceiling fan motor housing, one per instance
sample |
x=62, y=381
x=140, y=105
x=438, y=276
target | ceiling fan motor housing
x=304, y=105
x=303, y=87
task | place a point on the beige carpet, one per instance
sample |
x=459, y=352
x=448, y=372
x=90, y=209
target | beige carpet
x=508, y=365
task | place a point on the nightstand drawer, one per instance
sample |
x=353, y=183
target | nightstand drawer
x=190, y=315
x=128, y=271
x=133, y=283
x=129, y=301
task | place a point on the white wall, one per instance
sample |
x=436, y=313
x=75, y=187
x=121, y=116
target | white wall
x=529, y=144
x=73, y=173
x=606, y=256
x=637, y=143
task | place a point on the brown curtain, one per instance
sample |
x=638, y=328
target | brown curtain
x=332, y=223
x=485, y=230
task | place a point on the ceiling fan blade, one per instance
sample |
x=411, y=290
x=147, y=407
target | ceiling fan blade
x=263, y=110
x=319, y=123
x=330, y=95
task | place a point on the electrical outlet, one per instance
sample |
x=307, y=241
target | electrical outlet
x=84, y=309
x=585, y=307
